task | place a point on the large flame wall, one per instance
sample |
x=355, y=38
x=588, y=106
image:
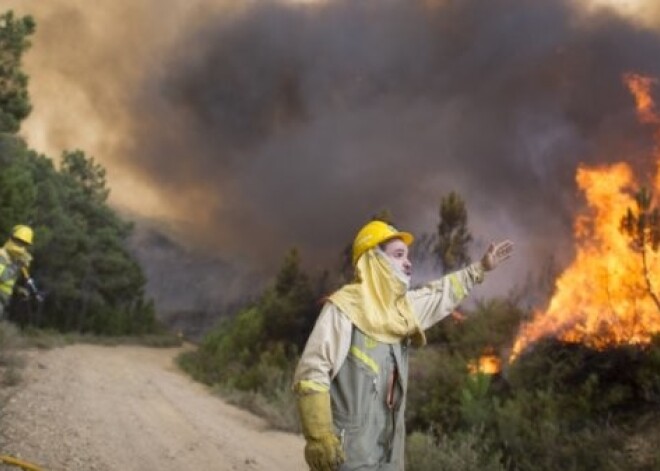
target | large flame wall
x=604, y=297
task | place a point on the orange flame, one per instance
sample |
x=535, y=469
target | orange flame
x=640, y=87
x=488, y=363
x=602, y=298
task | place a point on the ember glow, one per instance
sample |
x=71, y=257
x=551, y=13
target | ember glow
x=602, y=298
x=488, y=363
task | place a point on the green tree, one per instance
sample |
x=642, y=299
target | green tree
x=290, y=308
x=18, y=191
x=642, y=225
x=14, y=100
x=454, y=236
x=93, y=282
x=89, y=174
x=102, y=289
x=81, y=260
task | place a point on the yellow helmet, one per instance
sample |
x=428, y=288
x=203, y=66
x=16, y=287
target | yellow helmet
x=22, y=233
x=375, y=233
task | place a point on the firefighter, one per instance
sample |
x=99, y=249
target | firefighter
x=14, y=261
x=352, y=378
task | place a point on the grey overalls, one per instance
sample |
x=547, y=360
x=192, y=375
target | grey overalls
x=368, y=402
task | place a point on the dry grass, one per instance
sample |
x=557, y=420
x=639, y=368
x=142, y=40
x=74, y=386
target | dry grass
x=279, y=411
x=47, y=339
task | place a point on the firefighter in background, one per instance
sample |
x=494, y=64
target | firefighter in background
x=352, y=378
x=14, y=261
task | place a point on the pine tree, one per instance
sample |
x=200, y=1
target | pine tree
x=14, y=100
x=18, y=191
x=643, y=227
x=87, y=173
x=454, y=236
x=289, y=308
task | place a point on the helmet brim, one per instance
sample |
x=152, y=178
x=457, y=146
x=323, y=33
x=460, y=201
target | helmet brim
x=406, y=237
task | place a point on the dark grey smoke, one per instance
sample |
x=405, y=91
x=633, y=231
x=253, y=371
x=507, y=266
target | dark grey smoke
x=296, y=124
x=191, y=289
x=284, y=125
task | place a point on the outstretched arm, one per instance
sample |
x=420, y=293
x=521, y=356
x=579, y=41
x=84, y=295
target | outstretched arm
x=437, y=299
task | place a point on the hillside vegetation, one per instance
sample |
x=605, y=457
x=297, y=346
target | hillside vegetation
x=91, y=282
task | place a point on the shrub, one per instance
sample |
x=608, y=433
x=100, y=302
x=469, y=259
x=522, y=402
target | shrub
x=464, y=451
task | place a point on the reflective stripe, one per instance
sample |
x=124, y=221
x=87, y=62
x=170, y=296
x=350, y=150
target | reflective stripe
x=305, y=385
x=457, y=287
x=7, y=286
x=364, y=358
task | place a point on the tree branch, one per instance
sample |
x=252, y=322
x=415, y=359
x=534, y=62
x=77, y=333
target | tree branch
x=649, y=287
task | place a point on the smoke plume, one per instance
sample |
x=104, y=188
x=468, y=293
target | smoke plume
x=256, y=128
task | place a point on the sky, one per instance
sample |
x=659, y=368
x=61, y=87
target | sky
x=250, y=127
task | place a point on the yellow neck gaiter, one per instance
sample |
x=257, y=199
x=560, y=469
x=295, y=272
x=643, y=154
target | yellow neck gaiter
x=377, y=304
x=14, y=250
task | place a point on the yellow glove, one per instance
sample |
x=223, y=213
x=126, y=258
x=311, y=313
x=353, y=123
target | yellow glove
x=323, y=451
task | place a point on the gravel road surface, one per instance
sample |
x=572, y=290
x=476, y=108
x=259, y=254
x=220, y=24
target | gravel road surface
x=96, y=408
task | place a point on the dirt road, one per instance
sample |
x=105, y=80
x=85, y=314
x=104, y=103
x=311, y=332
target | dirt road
x=93, y=408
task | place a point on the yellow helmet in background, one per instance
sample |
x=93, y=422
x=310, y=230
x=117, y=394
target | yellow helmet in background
x=23, y=233
x=375, y=233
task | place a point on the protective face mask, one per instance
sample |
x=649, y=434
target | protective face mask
x=14, y=250
x=398, y=272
